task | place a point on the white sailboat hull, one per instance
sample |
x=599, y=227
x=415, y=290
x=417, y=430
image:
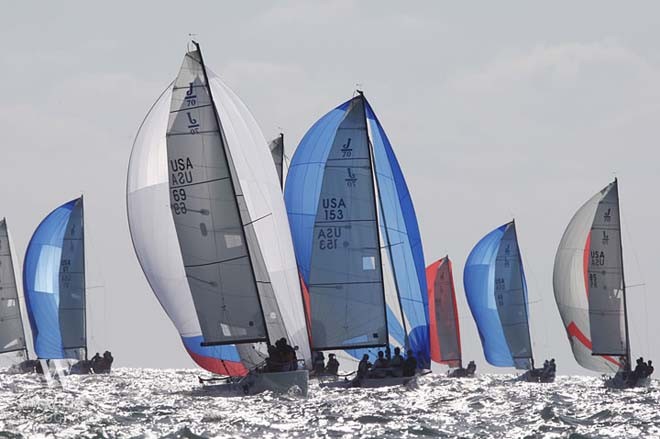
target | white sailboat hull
x=279, y=382
x=370, y=383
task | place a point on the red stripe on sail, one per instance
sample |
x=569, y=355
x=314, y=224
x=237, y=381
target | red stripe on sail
x=585, y=262
x=221, y=367
x=308, y=307
x=574, y=331
x=431, y=274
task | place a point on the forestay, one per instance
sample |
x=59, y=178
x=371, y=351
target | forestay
x=54, y=284
x=228, y=146
x=588, y=283
x=445, y=334
x=497, y=295
x=12, y=333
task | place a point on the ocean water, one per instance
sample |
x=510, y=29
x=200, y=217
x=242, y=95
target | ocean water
x=169, y=403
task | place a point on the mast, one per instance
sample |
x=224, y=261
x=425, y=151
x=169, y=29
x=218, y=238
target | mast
x=372, y=164
x=82, y=216
x=233, y=186
x=282, y=163
x=523, y=283
x=623, y=279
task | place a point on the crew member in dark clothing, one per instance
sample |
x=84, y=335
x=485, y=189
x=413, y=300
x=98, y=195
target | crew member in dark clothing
x=333, y=365
x=471, y=367
x=363, y=367
x=649, y=368
x=410, y=365
x=319, y=362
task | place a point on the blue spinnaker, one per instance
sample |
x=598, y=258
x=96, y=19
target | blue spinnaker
x=54, y=284
x=496, y=291
x=399, y=231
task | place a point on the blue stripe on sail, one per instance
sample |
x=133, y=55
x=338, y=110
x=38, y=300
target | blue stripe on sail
x=41, y=271
x=479, y=283
x=304, y=181
x=405, y=244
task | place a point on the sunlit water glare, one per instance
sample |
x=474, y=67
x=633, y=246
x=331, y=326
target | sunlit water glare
x=169, y=403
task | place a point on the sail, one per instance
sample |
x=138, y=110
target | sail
x=588, y=283
x=327, y=173
x=54, y=284
x=497, y=295
x=403, y=242
x=445, y=334
x=276, y=147
x=12, y=333
x=236, y=144
x=207, y=216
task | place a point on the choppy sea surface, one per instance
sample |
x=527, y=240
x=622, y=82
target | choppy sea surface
x=169, y=403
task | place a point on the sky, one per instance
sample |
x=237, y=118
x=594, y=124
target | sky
x=496, y=110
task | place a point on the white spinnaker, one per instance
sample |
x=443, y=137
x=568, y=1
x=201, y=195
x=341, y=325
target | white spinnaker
x=150, y=219
x=570, y=286
x=152, y=227
x=253, y=163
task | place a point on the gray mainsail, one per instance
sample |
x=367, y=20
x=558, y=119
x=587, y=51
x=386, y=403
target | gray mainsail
x=72, y=304
x=222, y=261
x=346, y=279
x=12, y=332
x=511, y=298
x=276, y=147
x=606, y=286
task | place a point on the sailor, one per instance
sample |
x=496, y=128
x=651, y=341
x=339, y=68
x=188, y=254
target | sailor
x=106, y=362
x=410, y=365
x=273, y=360
x=333, y=365
x=380, y=365
x=95, y=359
x=471, y=367
x=649, y=368
x=287, y=355
x=397, y=360
x=363, y=367
x=381, y=362
x=319, y=362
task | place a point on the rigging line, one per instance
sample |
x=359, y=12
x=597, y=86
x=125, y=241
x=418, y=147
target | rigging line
x=643, y=283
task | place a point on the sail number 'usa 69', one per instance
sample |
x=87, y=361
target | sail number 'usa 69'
x=181, y=175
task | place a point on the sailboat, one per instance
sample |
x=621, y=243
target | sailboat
x=13, y=344
x=445, y=333
x=54, y=286
x=496, y=291
x=210, y=230
x=356, y=238
x=276, y=147
x=590, y=289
